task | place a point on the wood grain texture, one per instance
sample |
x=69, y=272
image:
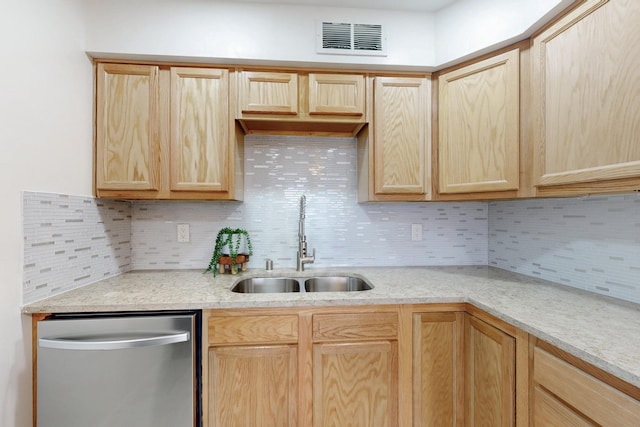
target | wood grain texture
x=401, y=150
x=489, y=375
x=355, y=384
x=339, y=94
x=478, y=122
x=268, y=93
x=200, y=129
x=253, y=386
x=584, y=393
x=586, y=95
x=437, y=378
x=252, y=329
x=349, y=326
x=126, y=127
x=549, y=411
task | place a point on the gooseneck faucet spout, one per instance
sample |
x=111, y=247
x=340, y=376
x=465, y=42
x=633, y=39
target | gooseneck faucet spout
x=302, y=257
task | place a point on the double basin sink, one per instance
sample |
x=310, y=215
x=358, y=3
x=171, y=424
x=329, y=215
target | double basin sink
x=261, y=285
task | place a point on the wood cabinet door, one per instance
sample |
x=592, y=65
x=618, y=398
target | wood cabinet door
x=127, y=128
x=268, y=93
x=438, y=366
x=355, y=384
x=489, y=375
x=586, y=107
x=549, y=411
x=401, y=149
x=253, y=386
x=199, y=129
x=336, y=94
x=478, y=126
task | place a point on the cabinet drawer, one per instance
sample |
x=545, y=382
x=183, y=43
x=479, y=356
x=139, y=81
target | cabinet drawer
x=253, y=329
x=597, y=400
x=337, y=327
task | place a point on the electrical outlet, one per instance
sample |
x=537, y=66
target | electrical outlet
x=183, y=233
x=416, y=232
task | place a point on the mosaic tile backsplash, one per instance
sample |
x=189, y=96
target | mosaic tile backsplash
x=71, y=241
x=590, y=243
x=278, y=170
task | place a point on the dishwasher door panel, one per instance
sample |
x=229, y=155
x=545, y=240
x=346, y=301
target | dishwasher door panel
x=127, y=377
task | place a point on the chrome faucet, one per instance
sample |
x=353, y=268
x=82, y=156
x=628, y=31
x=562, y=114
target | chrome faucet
x=302, y=257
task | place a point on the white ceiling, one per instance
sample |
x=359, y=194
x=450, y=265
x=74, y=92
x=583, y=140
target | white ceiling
x=405, y=5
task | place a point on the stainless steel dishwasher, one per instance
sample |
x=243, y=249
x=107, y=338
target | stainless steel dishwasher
x=119, y=370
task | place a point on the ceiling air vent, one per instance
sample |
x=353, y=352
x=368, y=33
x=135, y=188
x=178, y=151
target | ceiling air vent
x=345, y=38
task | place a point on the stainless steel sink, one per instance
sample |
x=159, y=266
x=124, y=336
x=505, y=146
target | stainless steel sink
x=336, y=284
x=262, y=285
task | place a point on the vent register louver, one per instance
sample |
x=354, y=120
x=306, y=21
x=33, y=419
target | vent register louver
x=350, y=39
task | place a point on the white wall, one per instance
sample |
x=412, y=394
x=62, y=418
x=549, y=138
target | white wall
x=471, y=26
x=206, y=30
x=202, y=30
x=45, y=144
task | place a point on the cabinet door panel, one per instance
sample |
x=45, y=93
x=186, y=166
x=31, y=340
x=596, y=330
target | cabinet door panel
x=400, y=147
x=586, y=94
x=437, y=369
x=489, y=375
x=479, y=124
x=268, y=93
x=336, y=94
x=355, y=384
x=127, y=142
x=200, y=129
x=253, y=386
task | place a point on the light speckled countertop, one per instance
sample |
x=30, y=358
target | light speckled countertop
x=600, y=330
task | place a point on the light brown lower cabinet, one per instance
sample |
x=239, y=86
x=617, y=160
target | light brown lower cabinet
x=463, y=371
x=566, y=391
x=397, y=365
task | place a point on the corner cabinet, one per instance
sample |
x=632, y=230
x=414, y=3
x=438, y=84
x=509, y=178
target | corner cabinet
x=394, y=152
x=166, y=133
x=463, y=369
x=479, y=127
x=586, y=108
x=301, y=103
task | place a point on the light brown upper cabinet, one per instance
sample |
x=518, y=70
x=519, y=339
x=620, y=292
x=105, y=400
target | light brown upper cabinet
x=166, y=133
x=394, y=151
x=479, y=126
x=127, y=128
x=301, y=103
x=586, y=100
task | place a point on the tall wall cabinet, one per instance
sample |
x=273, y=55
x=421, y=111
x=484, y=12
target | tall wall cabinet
x=394, y=152
x=478, y=141
x=166, y=133
x=586, y=103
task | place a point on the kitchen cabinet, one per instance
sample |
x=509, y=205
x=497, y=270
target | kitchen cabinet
x=569, y=392
x=585, y=103
x=438, y=367
x=301, y=102
x=127, y=128
x=479, y=127
x=252, y=370
x=355, y=369
x=463, y=368
x=166, y=133
x=301, y=366
x=394, y=152
x=489, y=374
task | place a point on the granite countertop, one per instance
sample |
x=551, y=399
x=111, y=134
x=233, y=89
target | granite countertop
x=600, y=330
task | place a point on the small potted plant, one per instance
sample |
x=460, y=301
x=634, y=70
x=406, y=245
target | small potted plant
x=233, y=248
